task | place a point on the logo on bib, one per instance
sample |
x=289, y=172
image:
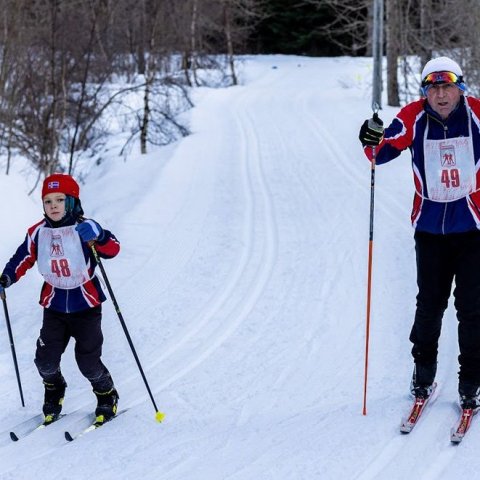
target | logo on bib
x=447, y=156
x=56, y=246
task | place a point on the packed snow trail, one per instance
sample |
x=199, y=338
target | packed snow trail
x=242, y=280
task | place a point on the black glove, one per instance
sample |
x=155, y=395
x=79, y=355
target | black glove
x=371, y=132
x=5, y=281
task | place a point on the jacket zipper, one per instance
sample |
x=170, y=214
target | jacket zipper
x=445, y=129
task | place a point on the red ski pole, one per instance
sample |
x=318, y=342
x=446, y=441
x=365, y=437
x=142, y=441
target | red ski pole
x=369, y=274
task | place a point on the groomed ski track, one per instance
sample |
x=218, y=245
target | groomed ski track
x=242, y=279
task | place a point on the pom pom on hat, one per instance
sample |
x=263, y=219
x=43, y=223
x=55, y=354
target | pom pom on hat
x=441, y=64
x=61, y=183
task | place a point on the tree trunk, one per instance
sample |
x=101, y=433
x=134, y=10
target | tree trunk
x=141, y=43
x=425, y=31
x=228, y=36
x=146, y=117
x=193, y=41
x=393, y=52
x=83, y=94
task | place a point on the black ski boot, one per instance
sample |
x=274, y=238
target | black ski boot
x=469, y=396
x=106, y=405
x=53, y=400
x=422, y=380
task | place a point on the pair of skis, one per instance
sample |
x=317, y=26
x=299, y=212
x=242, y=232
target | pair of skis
x=457, y=432
x=39, y=422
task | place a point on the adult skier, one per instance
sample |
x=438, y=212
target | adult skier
x=442, y=131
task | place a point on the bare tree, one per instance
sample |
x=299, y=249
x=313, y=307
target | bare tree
x=58, y=57
x=350, y=24
x=11, y=18
x=92, y=52
x=191, y=56
x=163, y=96
x=239, y=19
x=415, y=30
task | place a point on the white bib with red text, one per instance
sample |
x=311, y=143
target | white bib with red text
x=449, y=167
x=60, y=257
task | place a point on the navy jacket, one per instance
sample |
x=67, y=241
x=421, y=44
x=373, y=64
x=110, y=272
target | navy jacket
x=407, y=131
x=88, y=295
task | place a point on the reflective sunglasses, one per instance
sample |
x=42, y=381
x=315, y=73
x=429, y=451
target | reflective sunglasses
x=441, y=77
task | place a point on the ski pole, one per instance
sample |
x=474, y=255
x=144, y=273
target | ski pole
x=12, y=345
x=375, y=108
x=159, y=416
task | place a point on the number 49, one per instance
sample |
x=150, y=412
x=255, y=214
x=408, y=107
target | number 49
x=450, y=178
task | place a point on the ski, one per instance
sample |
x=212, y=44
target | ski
x=463, y=425
x=38, y=422
x=99, y=422
x=416, y=410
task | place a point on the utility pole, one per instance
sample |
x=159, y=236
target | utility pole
x=377, y=53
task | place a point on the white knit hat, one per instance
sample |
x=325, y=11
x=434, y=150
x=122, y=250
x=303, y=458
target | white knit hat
x=441, y=64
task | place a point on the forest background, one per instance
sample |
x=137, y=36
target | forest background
x=65, y=63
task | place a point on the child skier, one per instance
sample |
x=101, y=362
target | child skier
x=71, y=294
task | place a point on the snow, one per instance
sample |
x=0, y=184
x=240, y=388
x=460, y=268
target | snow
x=242, y=280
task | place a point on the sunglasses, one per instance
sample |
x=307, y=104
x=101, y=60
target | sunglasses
x=441, y=77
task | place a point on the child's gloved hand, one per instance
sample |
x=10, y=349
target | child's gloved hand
x=89, y=231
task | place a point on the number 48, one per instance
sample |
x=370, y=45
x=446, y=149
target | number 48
x=61, y=267
x=450, y=178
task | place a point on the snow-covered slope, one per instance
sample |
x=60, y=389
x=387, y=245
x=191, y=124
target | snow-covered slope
x=242, y=279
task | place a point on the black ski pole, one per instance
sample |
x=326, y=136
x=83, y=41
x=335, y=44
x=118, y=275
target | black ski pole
x=159, y=416
x=12, y=345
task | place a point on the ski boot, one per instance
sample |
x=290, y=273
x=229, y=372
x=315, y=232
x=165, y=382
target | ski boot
x=106, y=405
x=53, y=400
x=469, y=396
x=422, y=384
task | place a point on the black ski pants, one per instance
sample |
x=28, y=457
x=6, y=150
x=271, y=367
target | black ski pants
x=440, y=260
x=85, y=327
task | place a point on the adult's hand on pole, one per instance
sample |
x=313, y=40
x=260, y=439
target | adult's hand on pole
x=371, y=131
x=5, y=281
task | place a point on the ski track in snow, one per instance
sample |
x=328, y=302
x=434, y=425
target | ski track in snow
x=247, y=308
x=233, y=301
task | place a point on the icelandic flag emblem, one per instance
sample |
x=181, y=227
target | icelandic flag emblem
x=52, y=185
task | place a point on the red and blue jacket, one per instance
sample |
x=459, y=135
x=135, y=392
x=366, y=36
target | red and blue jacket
x=407, y=131
x=86, y=296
